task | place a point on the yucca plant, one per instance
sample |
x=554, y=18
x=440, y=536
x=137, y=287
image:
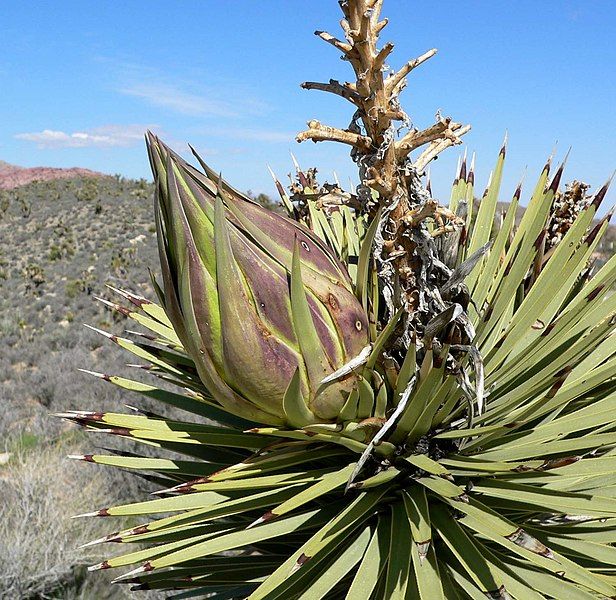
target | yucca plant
x=389, y=397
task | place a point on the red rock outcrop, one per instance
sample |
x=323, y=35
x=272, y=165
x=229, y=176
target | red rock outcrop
x=12, y=176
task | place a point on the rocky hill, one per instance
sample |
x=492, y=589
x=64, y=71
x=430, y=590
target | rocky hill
x=61, y=241
x=12, y=176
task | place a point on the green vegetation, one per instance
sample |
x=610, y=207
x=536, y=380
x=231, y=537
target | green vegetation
x=380, y=397
x=441, y=471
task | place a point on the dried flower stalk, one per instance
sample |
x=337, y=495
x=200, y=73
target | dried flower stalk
x=405, y=253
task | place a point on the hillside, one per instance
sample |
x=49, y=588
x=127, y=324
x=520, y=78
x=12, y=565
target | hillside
x=12, y=176
x=61, y=241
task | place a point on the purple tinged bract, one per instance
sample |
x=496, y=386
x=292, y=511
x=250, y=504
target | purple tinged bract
x=229, y=268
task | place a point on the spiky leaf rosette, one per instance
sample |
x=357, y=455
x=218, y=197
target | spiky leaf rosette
x=483, y=471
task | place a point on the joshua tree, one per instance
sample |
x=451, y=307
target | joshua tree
x=386, y=403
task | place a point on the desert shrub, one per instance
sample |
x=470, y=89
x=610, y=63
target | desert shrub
x=5, y=201
x=26, y=207
x=55, y=253
x=88, y=190
x=39, y=557
x=73, y=287
x=35, y=273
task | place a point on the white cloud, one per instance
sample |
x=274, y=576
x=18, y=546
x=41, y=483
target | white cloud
x=249, y=134
x=108, y=136
x=173, y=98
x=188, y=91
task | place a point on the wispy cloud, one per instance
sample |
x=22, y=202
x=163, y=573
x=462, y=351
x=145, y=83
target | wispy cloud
x=107, y=136
x=189, y=92
x=178, y=100
x=249, y=134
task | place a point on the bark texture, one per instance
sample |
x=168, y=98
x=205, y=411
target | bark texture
x=392, y=155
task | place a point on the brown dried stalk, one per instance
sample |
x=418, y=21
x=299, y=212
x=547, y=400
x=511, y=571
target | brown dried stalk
x=319, y=133
x=375, y=95
x=402, y=252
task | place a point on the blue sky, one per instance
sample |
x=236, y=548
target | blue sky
x=80, y=81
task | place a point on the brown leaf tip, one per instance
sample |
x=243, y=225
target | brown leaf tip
x=268, y=516
x=139, y=530
x=119, y=431
x=600, y=195
x=520, y=538
x=592, y=236
x=540, y=238
x=302, y=560
x=280, y=188
x=556, y=463
x=94, y=416
x=463, y=171
x=557, y=385
x=422, y=550
x=549, y=328
x=121, y=309
x=564, y=371
x=517, y=193
x=138, y=301
x=488, y=313
x=499, y=594
x=557, y=177
x=522, y=469
x=595, y=293
x=462, y=498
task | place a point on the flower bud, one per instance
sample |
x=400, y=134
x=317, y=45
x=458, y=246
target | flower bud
x=262, y=306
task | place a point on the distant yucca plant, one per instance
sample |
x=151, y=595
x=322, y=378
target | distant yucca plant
x=388, y=401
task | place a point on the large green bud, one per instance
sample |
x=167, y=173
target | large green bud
x=262, y=305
